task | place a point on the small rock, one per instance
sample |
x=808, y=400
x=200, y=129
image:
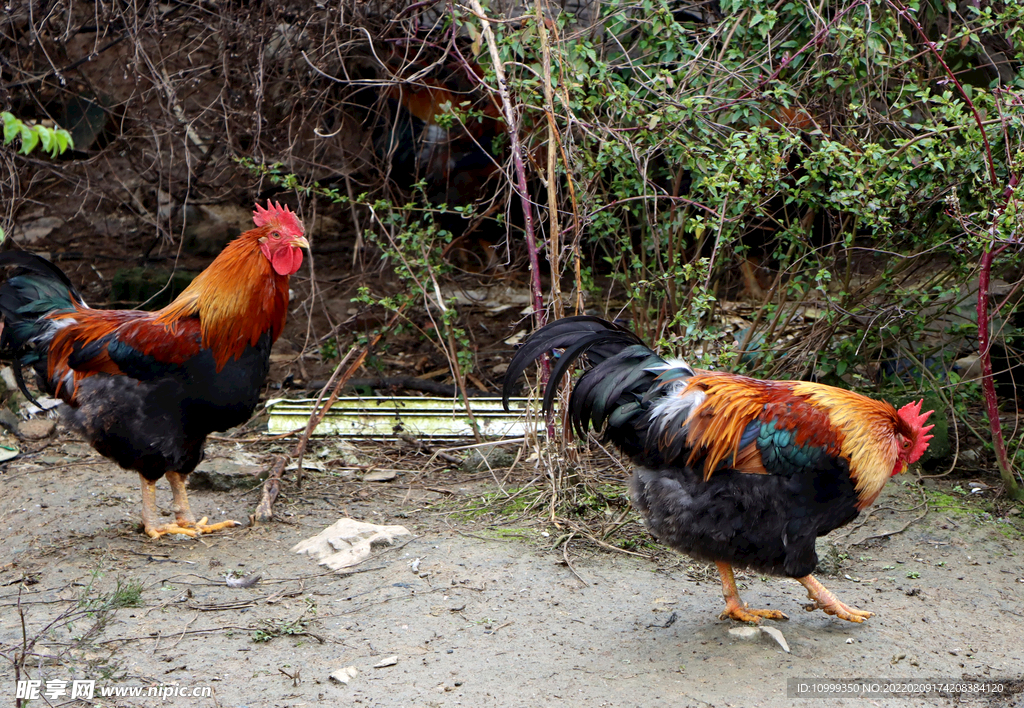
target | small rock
x=830, y=558
x=37, y=428
x=222, y=475
x=390, y=661
x=380, y=476
x=745, y=632
x=8, y=419
x=7, y=375
x=482, y=459
x=349, y=454
x=343, y=676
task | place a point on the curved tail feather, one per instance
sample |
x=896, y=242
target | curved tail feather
x=622, y=382
x=34, y=290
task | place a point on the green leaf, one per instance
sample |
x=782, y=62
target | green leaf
x=29, y=139
x=12, y=127
x=46, y=138
x=62, y=139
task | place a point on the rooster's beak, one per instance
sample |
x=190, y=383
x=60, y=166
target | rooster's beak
x=300, y=242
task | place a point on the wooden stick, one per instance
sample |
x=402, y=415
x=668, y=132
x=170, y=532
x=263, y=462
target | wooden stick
x=272, y=487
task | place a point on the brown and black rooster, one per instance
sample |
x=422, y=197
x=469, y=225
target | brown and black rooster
x=730, y=469
x=146, y=388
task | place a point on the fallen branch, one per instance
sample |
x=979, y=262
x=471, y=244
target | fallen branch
x=272, y=487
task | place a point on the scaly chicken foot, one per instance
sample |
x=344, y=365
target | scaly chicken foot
x=185, y=522
x=825, y=600
x=182, y=511
x=735, y=608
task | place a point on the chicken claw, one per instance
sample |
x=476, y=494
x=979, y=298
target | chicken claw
x=185, y=523
x=203, y=527
x=745, y=614
x=824, y=600
x=735, y=608
x=158, y=531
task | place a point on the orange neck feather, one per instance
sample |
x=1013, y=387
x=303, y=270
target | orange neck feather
x=237, y=298
x=868, y=435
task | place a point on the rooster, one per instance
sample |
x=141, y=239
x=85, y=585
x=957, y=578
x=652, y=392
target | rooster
x=146, y=388
x=731, y=469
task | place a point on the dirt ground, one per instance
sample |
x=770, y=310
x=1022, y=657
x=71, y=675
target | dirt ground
x=477, y=609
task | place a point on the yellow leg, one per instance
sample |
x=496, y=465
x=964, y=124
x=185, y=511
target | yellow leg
x=824, y=600
x=149, y=513
x=185, y=522
x=735, y=608
x=182, y=511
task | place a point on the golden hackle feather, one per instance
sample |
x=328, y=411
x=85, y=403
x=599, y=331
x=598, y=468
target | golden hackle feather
x=238, y=298
x=867, y=432
x=235, y=300
x=858, y=428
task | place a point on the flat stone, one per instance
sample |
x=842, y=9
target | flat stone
x=745, y=632
x=380, y=476
x=344, y=675
x=37, y=428
x=222, y=475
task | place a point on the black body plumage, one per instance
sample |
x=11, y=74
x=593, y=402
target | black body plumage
x=768, y=522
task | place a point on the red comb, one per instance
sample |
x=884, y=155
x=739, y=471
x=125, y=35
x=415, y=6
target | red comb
x=277, y=215
x=911, y=414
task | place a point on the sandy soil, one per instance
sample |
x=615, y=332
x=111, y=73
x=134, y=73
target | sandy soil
x=489, y=616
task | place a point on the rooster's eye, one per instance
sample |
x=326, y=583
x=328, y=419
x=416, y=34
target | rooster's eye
x=275, y=235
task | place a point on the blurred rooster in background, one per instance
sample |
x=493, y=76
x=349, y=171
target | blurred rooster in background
x=425, y=140
x=146, y=388
x=731, y=469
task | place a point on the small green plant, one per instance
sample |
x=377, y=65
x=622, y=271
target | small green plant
x=329, y=349
x=52, y=140
x=126, y=593
x=913, y=574
x=271, y=629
